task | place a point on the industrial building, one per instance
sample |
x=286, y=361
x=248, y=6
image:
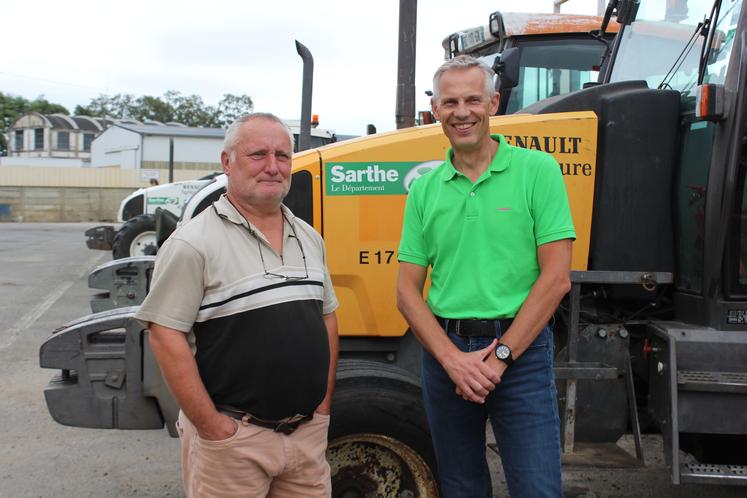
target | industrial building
x=37, y=139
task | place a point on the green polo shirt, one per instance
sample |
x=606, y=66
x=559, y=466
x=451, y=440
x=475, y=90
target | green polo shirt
x=480, y=239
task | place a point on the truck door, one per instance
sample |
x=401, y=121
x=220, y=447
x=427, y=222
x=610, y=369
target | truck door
x=710, y=186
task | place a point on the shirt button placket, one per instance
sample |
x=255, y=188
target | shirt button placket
x=471, y=209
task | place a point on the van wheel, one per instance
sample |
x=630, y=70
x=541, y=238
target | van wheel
x=136, y=237
x=379, y=441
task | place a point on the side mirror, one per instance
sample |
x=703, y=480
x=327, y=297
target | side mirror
x=506, y=66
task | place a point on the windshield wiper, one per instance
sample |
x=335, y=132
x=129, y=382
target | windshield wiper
x=599, y=34
x=700, y=29
x=715, y=11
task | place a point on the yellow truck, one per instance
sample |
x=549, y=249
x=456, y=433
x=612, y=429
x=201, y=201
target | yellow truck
x=653, y=331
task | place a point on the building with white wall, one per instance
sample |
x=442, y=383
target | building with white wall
x=58, y=140
x=145, y=146
x=37, y=139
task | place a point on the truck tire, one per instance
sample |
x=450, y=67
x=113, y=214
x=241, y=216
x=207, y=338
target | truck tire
x=379, y=442
x=136, y=237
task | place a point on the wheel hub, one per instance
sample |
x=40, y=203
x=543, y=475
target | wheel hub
x=144, y=244
x=372, y=465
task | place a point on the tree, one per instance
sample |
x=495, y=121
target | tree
x=13, y=107
x=189, y=110
x=147, y=107
x=232, y=107
x=43, y=106
x=121, y=106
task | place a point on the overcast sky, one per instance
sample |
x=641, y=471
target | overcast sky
x=73, y=51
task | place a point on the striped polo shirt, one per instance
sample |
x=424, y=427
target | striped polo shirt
x=257, y=330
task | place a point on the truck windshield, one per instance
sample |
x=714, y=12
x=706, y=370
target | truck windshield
x=662, y=32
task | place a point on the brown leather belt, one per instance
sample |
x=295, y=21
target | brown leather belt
x=285, y=426
x=475, y=327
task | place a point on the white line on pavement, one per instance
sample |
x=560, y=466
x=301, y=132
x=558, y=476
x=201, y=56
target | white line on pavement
x=33, y=314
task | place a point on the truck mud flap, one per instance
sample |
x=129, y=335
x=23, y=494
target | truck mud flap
x=107, y=378
x=125, y=282
x=100, y=237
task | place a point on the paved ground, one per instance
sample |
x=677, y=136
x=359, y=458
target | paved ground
x=43, y=284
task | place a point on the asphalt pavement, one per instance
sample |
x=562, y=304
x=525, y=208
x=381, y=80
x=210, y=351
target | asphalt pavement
x=43, y=285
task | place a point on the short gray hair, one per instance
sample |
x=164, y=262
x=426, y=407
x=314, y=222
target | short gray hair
x=465, y=62
x=232, y=133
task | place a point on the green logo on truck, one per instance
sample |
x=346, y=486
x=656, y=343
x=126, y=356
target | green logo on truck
x=161, y=201
x=383, y=178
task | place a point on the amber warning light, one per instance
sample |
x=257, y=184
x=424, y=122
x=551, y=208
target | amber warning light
x=710, y=102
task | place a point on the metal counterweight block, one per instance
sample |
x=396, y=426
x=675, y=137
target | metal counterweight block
x=125, y=282
x=100, y=237
x=107, y=378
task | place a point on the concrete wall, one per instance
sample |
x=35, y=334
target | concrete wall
x=52, y=204
x=89, y=177
x=71, y=194
x=43, y=162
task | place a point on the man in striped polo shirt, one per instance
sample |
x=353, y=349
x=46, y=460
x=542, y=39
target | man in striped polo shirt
x=242, y=318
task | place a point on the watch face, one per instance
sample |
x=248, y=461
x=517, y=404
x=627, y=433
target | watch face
x=502, y=352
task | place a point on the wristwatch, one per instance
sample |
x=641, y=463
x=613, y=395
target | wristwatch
x=503, y=353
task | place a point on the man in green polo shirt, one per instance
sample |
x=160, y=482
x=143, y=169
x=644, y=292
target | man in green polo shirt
x=493, y=224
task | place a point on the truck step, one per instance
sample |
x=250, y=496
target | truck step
x=723, y=382
x=735, y=475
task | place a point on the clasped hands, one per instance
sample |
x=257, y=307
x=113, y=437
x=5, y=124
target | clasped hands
x=475, y=373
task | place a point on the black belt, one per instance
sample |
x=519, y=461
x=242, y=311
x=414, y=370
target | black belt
x=286, y=426
x=475, y=327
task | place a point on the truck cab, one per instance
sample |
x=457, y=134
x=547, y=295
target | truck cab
x=535, y=55
x=669, y=205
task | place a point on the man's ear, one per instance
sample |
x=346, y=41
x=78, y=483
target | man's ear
x=434, y=109
x=494, y=102
x=224, y=161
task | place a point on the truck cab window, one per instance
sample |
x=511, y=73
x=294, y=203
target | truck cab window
x=552, y=67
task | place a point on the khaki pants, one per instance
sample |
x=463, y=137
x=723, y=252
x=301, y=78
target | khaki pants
x=257, y=462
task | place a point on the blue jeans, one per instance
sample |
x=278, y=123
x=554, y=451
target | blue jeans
x=523, y=412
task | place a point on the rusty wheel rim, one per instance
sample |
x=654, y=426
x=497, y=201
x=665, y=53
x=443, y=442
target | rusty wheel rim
x=372, y=465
